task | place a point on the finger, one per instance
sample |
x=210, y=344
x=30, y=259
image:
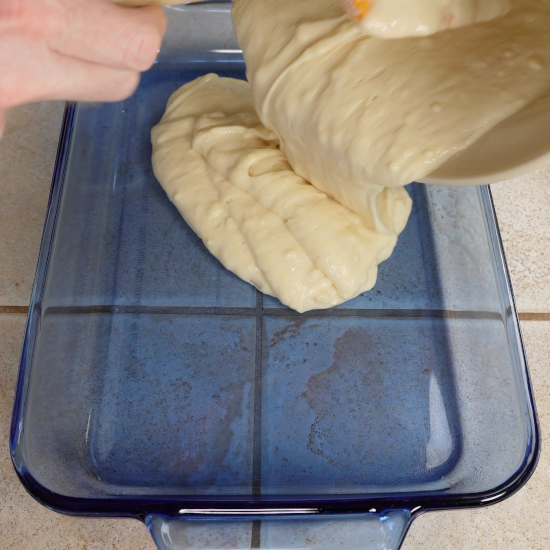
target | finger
x=80, y=80
x=103, y=33
x=149, y=2
x=55, y=76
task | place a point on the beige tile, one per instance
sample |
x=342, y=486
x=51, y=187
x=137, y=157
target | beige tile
x=523, y=210
x=521, y=522
x=27, y=155
x=25, y=524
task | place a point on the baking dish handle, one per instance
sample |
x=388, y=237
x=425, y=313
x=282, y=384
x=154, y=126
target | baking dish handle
x=372, y=531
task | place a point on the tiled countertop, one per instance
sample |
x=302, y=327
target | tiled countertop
x=27, y=153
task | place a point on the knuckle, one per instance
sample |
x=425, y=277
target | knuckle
x=144, y=48
x=130, y=84
x=125, y=87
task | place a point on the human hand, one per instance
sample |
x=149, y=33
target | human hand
x=82, y=50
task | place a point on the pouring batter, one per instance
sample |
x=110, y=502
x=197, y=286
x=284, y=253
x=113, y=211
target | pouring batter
x=356, y=116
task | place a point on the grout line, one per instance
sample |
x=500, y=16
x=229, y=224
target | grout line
x=534, y=316
x=257, y=426
x=523, y=316
x=255, y=541
x=277, y=312
x=14, y=309
x=256, y=534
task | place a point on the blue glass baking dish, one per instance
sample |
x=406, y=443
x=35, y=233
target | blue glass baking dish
x=154, y=384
